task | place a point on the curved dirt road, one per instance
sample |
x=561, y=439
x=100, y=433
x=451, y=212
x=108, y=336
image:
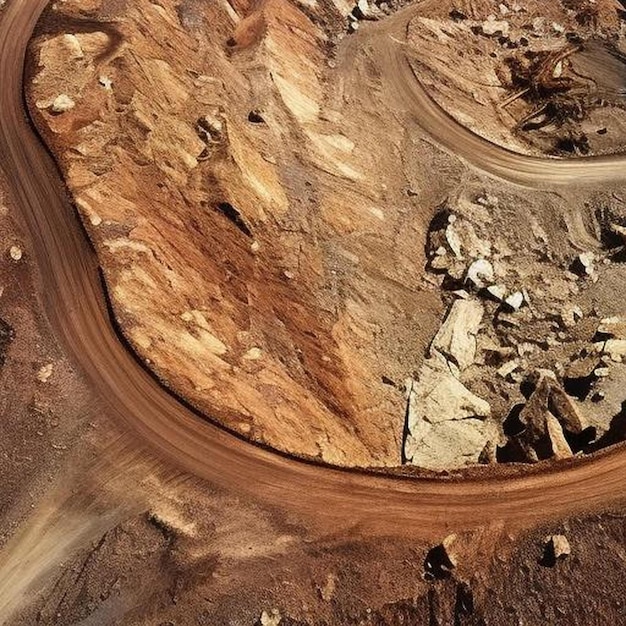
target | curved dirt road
x=322, y=497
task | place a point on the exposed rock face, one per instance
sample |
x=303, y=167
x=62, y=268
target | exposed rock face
x=263, y=241
x=241, y=215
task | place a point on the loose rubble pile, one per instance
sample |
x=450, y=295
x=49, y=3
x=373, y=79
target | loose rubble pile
x=557, y=94
x=512, y=371
x=364, y=10
x=534, y=77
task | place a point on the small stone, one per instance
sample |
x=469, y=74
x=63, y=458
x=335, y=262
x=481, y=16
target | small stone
x=212, y=125
x=497, y=292
x=583, y=367
x=508, y=320
x=448, y=546
x=453, y=238
x=62, y=103
x=598, y=396
x=271, y=618
x=44, y=373
x=525, y=348
x=253, y=354
x=619, y=230
x=508, y=368
x=480, y=273
x=557, y=546
x=255, y=246
x=584, y=264
x=515, y=300
x=489, y=454
x=364, y=8
x=488, y=200
x=570, y=314
x=549, y=396
x=587, y=258
x=327, y=590
x=353, y=27
x=16, y=253
x=106, y=82
x=613, y=327
x=440, y=262
x=615, y=348
x=441, y=559
x=560, y=447
x=456, y=339
x=461, y=293
x=538, y=24
x=492, y=26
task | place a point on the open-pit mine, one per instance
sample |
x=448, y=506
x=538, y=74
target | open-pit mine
x=312, y=313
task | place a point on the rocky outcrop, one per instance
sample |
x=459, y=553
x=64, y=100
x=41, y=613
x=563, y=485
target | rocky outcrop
x=239, y=213
x=447, y=425
x=259, y=196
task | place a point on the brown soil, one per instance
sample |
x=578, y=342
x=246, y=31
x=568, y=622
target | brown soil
x=42, y=422
x=234, y=572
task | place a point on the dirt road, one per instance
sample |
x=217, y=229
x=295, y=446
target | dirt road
x=321, y=497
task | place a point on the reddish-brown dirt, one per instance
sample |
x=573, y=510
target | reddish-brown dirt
x=264, y=534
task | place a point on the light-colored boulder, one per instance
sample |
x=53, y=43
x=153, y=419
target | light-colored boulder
x=560, y=447
x=62, y=103
x=558, y=545
x=613, y=327
x=456, y=339
x=439, y=396
x=446, y=422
